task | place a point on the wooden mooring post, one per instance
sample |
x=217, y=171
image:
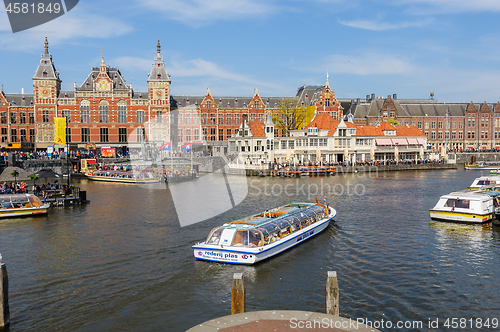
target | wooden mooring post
x=332, y=294
x=238, y=294
x=4, y=296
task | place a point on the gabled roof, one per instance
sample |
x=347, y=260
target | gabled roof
x=406, y=131
x=19, y=100
x=323, y=121
x=384, y=125
x=113, y=74
x=257, y=128
x=369, y=131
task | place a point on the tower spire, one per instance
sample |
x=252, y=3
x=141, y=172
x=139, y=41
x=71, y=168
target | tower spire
x=158, y=49
x=46, y=46
x=327, y=79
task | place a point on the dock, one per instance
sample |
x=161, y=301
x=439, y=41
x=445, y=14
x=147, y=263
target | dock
x=283, y=320
x=60, y=198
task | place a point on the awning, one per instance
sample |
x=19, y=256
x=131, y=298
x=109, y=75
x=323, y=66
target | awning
x=383, y=141
x=421, y=141
x=412, y=141
x=399, y=141
x=91, y=162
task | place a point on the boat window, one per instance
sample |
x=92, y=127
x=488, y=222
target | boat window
x=457, y=203
x=255, y=238
x=265, y=234
x=294, y=222
x=285, y=227
x=35, y=201
x=214, y=236
x=240, y=238
x=304, y=222
x=7, y=205
x=273, y=230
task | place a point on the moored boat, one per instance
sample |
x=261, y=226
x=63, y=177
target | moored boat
x=470, y=206
x=493, y=165
x=306, y=171
x=255, y=238
x=487, y=180
x=16, y=205
x=131, y=177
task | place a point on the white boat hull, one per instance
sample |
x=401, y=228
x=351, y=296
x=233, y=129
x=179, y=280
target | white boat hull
x=461, y=217
x=248, y=256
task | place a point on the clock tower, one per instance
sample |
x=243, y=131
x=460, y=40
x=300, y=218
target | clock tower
x=159, y=100
x=46, y=88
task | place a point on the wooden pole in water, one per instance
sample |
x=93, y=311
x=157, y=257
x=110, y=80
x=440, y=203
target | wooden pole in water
x=332, y=294
x=238, y=294
x=4, y=295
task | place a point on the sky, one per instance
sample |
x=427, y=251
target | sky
x=385, y=47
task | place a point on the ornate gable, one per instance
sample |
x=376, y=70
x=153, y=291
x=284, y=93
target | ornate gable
x=485, y=108
x=256, y=104
x=208, y=103
x=327, y=102
x=471, y=107
x=389, y=108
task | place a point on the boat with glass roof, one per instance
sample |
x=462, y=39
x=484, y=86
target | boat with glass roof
x=132, y=177
x=16, y=205
x=487, y=180
x=255, y=238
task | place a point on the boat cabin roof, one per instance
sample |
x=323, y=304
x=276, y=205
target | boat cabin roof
x=271, y=215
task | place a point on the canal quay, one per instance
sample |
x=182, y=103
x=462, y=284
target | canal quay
x=123, y=262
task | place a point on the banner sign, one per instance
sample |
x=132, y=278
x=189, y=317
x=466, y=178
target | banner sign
x=108, y=152
x=60, y=130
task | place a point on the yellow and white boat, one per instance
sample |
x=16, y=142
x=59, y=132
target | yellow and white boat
x=470, y=206
x=16, y=205
x=488, y=180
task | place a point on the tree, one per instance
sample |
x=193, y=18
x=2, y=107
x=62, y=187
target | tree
x=15, y=174
x=34, y=177
x=290, y=115
x=393, y=122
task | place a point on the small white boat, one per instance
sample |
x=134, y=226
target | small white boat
x=255, y=238
x=124, y=177
x=16, y=205
x=487, y=180
x=494, y=165
x=471, y=206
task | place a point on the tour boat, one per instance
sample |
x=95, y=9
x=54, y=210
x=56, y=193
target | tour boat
x=485, y=181
x=471, y=206
x=132, y=177
x=493, y=165
x=306, y=171
x=255, y=238
x=16, y=205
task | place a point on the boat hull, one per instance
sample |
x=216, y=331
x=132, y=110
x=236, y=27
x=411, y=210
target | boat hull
x=453, y=216
x=121, y=180
x=249, y=256
x=24, y=212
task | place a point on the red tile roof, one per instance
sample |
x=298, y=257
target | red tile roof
x=384, y=125
x=409, y=131
x=257, y=128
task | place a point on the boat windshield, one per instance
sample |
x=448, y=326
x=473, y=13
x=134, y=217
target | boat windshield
x=214, y=236
x=35, y=201
x=240, y=238
x=256, y=238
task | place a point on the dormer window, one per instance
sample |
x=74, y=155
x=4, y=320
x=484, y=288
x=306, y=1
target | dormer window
x=313, y=131
x=45, y=62
x=158, y=76
x=140, y=97
x=44, y=73
x=158, y=65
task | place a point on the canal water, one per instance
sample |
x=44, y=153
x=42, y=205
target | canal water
x=124, y=263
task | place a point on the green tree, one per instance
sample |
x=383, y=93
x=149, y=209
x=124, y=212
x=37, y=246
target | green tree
x=15, y=174
x=289, y=115
x=393, y=122
x=34, y=177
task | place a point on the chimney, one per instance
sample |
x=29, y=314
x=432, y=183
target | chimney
x=394, y=96
x=358, y=101
x=373, y=96
x=367, y=97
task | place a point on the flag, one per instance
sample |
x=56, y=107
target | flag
x=186, y=147
x=166, y=146
x=453, y=208
x=60, y=130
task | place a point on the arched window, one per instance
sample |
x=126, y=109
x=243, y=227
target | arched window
x=103, y=111
x=85, y=111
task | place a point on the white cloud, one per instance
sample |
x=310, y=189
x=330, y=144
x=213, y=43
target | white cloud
x=200, y=12
x=367, y=64
x=77, y=23
x=452, y=6
x=190, y=68
x=382, y=26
